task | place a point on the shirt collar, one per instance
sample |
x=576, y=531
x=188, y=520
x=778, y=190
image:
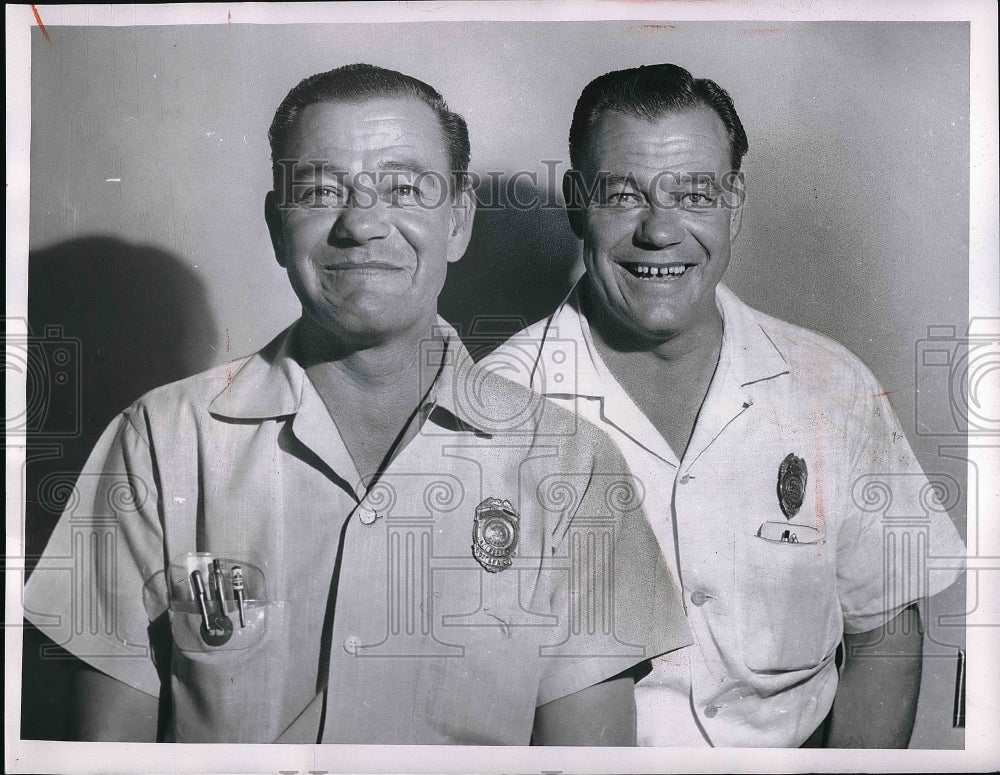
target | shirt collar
x=453, y=389
x=568, y=324
x=748, y=353
x=268, y=384
x=271, y=382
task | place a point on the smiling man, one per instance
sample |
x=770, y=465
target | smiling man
x=356, y=535
x=763, y=447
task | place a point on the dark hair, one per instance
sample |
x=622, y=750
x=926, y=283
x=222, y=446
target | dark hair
x=649, y=92
x=359, y=82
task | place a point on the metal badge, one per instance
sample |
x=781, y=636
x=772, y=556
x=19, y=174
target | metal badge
x=494, y=534
x=792, y=477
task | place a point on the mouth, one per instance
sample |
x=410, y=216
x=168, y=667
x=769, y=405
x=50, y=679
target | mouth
x=364, y=266
x=662, y=272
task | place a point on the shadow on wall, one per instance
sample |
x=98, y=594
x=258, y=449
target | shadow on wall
x=518, y=267
x=107, y=321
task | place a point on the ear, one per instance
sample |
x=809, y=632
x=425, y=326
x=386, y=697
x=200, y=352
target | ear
x=736, y=196
x=463, y=213
x=574, y=193
x=272, y=216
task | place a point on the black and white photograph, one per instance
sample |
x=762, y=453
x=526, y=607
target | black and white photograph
x=502, y=387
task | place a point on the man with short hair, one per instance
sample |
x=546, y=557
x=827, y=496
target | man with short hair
x=356, y=535
x=753, y=439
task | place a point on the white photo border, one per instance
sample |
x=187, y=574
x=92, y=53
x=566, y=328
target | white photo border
x=983, y=694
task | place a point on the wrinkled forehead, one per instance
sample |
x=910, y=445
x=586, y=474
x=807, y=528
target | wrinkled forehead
x=686, y=141
x=365, y=132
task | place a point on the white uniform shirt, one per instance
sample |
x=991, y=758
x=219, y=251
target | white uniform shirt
x=767, y=615
x=367, y=617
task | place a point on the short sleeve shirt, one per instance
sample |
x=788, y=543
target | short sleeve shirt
x=396, y=613
x=768, y=594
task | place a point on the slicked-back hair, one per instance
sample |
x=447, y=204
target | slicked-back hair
x=650, y=92
x=360, y=82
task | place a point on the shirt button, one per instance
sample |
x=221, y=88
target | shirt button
x=698, y=598
x=685, y=479
x=367, y=516
x=711, y=711
x=352, y=644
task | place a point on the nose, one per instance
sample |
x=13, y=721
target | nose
x=659, y=227
x=360, y=221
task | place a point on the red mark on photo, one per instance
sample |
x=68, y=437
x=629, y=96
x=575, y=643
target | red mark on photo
x=38, y=20
x=653, y=27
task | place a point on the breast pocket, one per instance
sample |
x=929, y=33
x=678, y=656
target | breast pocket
x=788, y=613
x=223, y=660
x=217, y=603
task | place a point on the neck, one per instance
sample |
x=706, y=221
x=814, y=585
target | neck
x=372, y=393
x=390, y=365
x=699, y=342
x=678, y=367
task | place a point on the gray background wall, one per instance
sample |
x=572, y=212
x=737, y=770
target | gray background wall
x=149, y=165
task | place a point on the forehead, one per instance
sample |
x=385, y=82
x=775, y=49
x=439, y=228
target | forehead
x=692, y=140
x=367, y=130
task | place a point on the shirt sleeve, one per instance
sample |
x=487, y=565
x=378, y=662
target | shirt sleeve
x=621, y=601
x=100, y=581
x=897, y=543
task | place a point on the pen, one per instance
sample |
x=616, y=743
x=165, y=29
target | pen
x=217, y=566
x=238, y=592
x=199, y=593
x=958, y=715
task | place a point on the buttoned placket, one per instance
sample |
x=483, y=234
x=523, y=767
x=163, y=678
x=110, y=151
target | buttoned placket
x=704, y=526
x=729, y=401
x=363, y=536
x=362, y=605
x=728, y=404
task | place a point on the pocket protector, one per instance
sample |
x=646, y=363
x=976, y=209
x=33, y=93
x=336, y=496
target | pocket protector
x=216, y=601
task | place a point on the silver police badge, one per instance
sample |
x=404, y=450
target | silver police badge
x=494, y=534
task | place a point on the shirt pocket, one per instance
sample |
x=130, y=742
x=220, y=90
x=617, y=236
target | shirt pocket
x=216, y=603
x=788, y=613
x=218, y=690
x=224, y=648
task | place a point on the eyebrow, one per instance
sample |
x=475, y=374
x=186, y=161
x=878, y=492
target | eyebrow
x=312, y=168
x=698, y=178
x=618, y=179
x=681, y=178
x=401, y=165
x=322, y=166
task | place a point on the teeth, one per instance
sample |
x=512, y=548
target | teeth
x=659, y=271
